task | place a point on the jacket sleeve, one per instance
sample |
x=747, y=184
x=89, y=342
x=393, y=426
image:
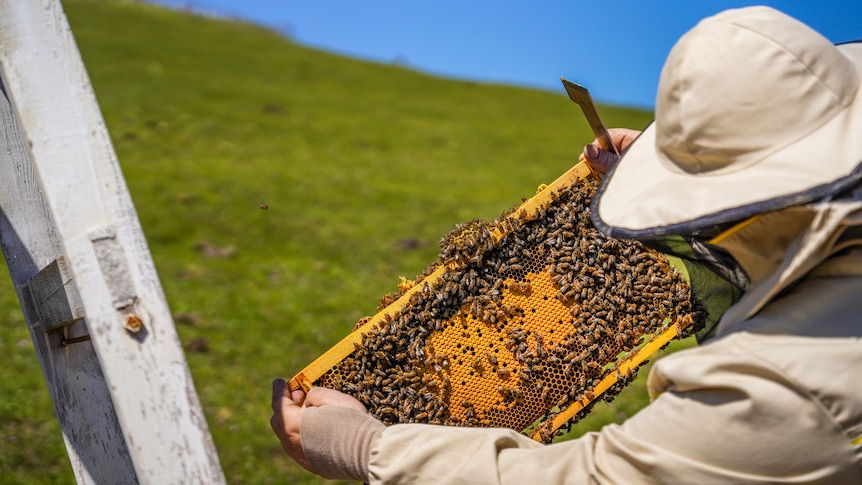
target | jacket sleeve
x=722, y=415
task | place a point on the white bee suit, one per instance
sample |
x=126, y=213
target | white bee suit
x=776, y=395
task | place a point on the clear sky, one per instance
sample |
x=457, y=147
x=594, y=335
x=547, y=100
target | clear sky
x=614, y=48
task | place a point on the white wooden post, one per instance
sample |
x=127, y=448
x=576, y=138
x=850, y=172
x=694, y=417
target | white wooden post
x=94, y=306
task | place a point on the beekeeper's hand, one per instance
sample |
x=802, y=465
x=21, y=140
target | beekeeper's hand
x=602, y=160
x=327, y=432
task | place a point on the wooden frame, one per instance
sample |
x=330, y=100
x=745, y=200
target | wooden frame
x=91, y=297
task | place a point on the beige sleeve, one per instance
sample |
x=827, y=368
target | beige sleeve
x=337, y=441
x=725, y=417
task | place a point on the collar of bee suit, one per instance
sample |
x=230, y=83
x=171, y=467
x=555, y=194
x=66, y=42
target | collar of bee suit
x=821, y=240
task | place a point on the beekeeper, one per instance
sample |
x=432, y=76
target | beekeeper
x=753, y=162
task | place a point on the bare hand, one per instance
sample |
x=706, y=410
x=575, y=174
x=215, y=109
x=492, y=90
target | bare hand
x=602, y=160
x=288, y=408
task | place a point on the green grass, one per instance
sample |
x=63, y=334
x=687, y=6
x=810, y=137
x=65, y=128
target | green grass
x=362, y=166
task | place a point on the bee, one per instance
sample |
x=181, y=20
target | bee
x=602, y=355
x=517, y=395
x=504, y=373
x=492, y=360
x=546, y=435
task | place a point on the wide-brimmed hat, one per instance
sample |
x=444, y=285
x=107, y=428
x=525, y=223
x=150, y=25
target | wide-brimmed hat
x=755, y=112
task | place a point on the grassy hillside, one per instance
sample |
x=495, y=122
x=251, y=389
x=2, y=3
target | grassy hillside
x=361, y=167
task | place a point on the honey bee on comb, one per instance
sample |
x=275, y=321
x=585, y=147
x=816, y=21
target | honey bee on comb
x=524, y=322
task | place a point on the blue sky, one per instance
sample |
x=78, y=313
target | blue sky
x=614, y=48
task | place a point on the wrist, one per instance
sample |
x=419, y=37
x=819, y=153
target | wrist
x=337, y=441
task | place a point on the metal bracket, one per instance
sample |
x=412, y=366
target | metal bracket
x=115, y=271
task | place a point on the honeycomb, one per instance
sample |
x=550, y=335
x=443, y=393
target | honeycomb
x=523, y=322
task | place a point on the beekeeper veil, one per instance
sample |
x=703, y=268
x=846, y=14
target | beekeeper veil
x=750, y=172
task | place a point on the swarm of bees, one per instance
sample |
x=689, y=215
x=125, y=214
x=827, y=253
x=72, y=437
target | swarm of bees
x=529, y=313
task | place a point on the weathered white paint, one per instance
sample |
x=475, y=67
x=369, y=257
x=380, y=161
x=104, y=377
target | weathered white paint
x=125, y=400
x=94, y=439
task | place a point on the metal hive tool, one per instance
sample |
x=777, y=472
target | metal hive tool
x=523, y=322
